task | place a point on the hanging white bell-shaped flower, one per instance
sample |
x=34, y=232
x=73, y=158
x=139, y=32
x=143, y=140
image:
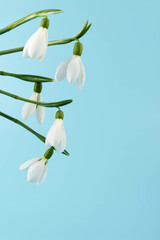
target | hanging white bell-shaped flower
x=37, y=167
x=56, y=136
x=29, y=108
x=72, y=68
x=36, y=45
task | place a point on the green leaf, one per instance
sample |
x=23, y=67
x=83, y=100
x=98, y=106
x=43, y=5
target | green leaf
x=31, y=16
x=27, y=77
x=75, y=37
x=44, y=104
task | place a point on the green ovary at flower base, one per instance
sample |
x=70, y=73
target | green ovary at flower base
x=37, y=167
x=29, y=108
x=72, y=68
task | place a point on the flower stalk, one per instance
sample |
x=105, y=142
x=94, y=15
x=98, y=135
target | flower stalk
x=27, y=77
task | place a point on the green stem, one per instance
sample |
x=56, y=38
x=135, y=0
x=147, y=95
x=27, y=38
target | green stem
x=44, y=104
x=31, y=16
x=42, y=138
x=27, y=77
x=13, y=50
x=55, y=42
x=23, y=125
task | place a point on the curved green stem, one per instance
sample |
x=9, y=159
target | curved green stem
x=27, y=77
x=31, y=16
x=83, y=31
x=44, y=104
x=42, y=138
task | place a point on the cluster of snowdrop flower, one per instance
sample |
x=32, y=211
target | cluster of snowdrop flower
x=74, y=71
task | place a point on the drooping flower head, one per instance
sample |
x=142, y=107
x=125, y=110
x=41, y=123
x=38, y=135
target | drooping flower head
x=56, y=136
x=72, y=68
x=37, y=167
x=29, y=108
x=36, y=45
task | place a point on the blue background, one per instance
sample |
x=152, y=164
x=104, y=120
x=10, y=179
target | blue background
x=109, y=186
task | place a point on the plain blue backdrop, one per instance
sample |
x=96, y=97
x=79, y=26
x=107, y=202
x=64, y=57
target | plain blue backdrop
x=108, y=189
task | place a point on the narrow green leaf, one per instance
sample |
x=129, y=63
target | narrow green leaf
x=68, y=40
x=31, y=16
x=85, y=30
x=27, y=77
x=44, y=104
x=42, y=138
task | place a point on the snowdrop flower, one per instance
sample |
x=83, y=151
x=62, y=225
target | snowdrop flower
x=56, y=136
x=36, y=45
x=72, y=68
x=30, y=108
x=37, y=167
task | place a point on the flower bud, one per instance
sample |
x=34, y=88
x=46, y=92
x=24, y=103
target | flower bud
x=59, y=114
x=48, y=154
x=38, y=87
x=78, y=48
x=45, y=23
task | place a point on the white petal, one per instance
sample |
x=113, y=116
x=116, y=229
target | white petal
x=61, y=71
x=47, y=142
x=52, y=133
x=29, y=108
x=36, y=45
x=81, y=78
x=40, y=114
x=27, y=164
x=49, y=137
x=25, y=50
x=62, y=144
x=56, y=136
x=36, y=171
x=42, y=178
x=40, y=110
x=73, y=69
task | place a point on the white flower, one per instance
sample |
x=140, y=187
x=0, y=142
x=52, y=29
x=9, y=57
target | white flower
x=73, y=69
x=56, y=136
x=36, y=45
x=30, y=108
x=37, y=169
